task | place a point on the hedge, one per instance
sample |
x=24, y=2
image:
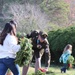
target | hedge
x=59, y=39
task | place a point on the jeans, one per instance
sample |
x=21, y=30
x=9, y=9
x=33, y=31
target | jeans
x=6, y=63
x=64, y=67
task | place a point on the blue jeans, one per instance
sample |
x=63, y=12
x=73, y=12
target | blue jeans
x=6, y=63
x=64, y=67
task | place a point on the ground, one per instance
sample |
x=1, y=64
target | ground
x=53, y=70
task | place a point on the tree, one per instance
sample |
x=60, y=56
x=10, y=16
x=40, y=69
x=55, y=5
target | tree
x=57, y=10
x=59, y=39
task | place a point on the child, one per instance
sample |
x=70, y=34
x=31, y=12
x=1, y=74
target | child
x=64, y=57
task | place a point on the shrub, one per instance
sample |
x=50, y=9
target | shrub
x=59, y=39
x=70, y=60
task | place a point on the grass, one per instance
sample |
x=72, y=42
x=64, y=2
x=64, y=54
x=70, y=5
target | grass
x=53, y=70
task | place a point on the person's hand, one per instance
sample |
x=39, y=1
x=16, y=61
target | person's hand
x=39, y=46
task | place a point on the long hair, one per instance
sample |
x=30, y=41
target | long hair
x=69, y=46
x=13, y=22
x=7, y=29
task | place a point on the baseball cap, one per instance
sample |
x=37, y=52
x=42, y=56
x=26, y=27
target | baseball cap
x=43, y=34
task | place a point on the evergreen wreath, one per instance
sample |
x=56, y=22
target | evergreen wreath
x=24, y=55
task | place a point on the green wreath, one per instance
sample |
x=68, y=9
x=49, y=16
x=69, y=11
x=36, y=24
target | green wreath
x=24, y=55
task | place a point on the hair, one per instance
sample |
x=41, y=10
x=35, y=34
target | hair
x=7, y=29
x=13, y=22
x=69, y=46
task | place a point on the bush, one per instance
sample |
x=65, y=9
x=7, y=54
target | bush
x=70, y=60
x=59, y=39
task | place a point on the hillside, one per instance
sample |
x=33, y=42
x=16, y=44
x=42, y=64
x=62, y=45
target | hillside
x=33, y=14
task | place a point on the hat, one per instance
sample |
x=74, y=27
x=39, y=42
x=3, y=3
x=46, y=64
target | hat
x=43, y=34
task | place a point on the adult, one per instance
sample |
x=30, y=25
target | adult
x=39, y=42
x=8, y=48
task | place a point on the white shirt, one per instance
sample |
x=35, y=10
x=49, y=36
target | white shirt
x=9, y=47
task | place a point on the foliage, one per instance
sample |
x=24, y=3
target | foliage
x=29, y=15
x=59, y=39
x=21, y=35
x=24, y=56
x=70, y=60
x=57, y=10
x=28, y=25
x=39, y=73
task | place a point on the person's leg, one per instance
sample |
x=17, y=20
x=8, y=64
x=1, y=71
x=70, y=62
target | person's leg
x=63, y=69
x=47, y=60
x=15, y=69
x=25, y=70
x=37, y=60
x=12, y=66
x=3, y=68
x=9, y=72
x=37, y=63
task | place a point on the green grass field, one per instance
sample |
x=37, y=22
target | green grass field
x=53, y=70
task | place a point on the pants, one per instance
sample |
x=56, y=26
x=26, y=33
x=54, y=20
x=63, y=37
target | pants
x=6, y=63
x=38, y=59
x=64, y=67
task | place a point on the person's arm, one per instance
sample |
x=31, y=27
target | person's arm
x=13, y=44
x=1, y=48
x=46, y=46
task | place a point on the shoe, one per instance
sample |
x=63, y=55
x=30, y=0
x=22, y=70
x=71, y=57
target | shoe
x=63, y=70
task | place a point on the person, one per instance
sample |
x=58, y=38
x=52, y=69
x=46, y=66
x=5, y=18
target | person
x=9, y=72
x=64, y=57
x=39, y=42
x=8, y=48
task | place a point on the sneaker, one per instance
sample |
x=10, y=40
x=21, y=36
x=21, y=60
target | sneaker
x=63, y=70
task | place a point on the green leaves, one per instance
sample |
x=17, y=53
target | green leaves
x=59, y=39
x=57, y=10
x=24, y=56
x=39, y=73
x=70, y=60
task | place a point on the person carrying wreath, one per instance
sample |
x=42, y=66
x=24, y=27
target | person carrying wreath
x=39, y=42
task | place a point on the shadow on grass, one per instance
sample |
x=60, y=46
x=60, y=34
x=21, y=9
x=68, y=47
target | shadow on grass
x=50, y=73
x=53, y=73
